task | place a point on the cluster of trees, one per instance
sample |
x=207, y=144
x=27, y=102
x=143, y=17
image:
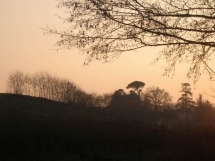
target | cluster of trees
x=121, y=100
x=204, y=111
x=152, y=99
x=155, y=99
x=105, y=29
x=51, y=87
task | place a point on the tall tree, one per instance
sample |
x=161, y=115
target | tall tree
x=185, y=103
x=103, y=29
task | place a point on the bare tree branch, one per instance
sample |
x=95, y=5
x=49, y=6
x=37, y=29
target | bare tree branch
x=104, y=29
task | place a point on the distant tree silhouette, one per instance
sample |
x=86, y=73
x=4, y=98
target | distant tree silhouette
x=133, y=99
x=106, y=98
x=102, y=100
x=118, y=99
x=15, y=82
x=125, y=101
x=45, y=85
x=204, y=112
x=136, y=86
x=156, y=98
x=185, y=103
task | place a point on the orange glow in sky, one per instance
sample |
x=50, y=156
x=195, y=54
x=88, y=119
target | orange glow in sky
x=25, y=48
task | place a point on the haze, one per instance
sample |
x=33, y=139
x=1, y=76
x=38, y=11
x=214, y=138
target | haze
x=25, y=48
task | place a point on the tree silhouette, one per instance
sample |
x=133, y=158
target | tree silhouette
x=185, y=103
x=45, y=85
x=156, y=98
x=118, y=99
x=136, y=86
x=203, y=112
x=105, y=29
x=125, y=101
x=16, y=82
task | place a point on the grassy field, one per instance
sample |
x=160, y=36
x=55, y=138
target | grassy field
x=40, y=129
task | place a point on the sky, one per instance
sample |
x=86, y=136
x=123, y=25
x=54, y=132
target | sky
x=24, y=47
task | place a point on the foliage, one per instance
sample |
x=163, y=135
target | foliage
x=136, y=86
x=125, y=101
x=105, y=29
x=156, y=98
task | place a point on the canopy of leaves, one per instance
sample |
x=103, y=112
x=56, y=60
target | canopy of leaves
x=136, y=85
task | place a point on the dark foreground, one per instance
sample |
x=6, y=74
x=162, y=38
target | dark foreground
x=27, y=135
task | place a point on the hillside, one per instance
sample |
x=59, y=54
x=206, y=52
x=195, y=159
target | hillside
x=40, y=129
x=46, y=107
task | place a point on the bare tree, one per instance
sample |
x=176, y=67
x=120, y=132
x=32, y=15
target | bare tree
x=15, y=83
x=106, y=98
x=28, y=90
x=156, y=98
x=103, y=29
x=48, y=86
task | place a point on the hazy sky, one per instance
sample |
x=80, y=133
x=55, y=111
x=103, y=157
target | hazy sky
x=23, y=47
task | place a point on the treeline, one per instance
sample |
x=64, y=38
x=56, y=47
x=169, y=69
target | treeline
x=153, y=103
x=52, y=87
